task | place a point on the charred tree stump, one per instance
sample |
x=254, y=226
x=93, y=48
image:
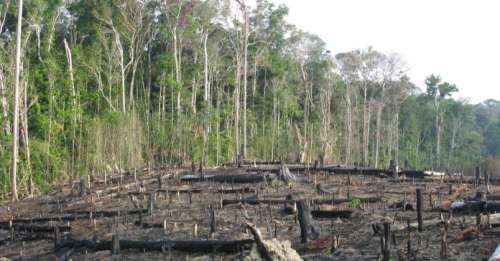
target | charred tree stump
x=151, y=204
x=444, y=236
x=83, y=187
x=408, y=242
x=487, y=181
x=213, y=224
x=307, y=230
x=419, y=209
x=193, y=168
x=116, y=245
x=160, y=182
x=57, y=238
x=478, y=174
x=387, y=240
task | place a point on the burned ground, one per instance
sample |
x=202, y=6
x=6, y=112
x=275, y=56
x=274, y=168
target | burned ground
x=158, y=214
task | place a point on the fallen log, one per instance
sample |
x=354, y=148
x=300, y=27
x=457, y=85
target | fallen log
x=75, y=215
x=403, y=227
x=196, y=191
x=320, y=190
x=229, y=178
x=402, y=205
x=469, y=207
x=34, y=228
x=26, y=238
x=249, y=162
x=108, y=213
x=189, y=246
x=255, y=201
x=332, y=213
x=355, y=200
x=110, y=192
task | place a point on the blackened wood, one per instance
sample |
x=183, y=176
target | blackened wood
x=387, y=240
x=254, y=201
x=213, y=223
x=189, y=246
x=307, y=229
x=160, y=181
x=34, y=228
x=419, y=209
x=57, y=237
x=75, y=215
x=408, y=242
x=304, y=220
x=332, y=213
x=116, y=245
x=228, y=178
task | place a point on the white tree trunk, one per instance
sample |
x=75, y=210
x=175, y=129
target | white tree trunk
x=15, y=128
x=4, y=104
x=245, y=84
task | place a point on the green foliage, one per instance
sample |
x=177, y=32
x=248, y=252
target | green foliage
x=354, y=203
x=289, y=74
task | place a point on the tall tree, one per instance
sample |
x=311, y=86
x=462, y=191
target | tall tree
x=15, y=127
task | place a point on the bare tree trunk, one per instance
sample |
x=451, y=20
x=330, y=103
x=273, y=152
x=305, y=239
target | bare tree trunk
x=25, y=137
x=396, y=134
x=326, y=96
x=194, y=86
x=245, y=84
x=217, y=128
x=206, y=100
x=73, y=94
x=275, y=117
x=4, y=104
x=307, y=103
x=121, y=60
x=378, y=127
x=177, y=72
x=132, y=82
x=3, y=90
x=366, y=126
x=4, y=16
x=438, y=132
x=439, y=120
x=456, y=126
x=205, y=53
x=15, y=131
x=237, y=104
x=348, y=125
x=368, y=132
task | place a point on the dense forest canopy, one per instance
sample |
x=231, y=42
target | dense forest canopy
x=120, y=84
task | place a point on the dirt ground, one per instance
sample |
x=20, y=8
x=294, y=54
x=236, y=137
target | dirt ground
x=183, y=213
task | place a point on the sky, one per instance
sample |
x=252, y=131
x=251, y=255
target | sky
x=456, y=39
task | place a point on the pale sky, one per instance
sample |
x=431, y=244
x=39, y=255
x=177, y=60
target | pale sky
x=457, y=39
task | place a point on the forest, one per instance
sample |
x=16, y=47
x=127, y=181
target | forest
x=116, y=85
